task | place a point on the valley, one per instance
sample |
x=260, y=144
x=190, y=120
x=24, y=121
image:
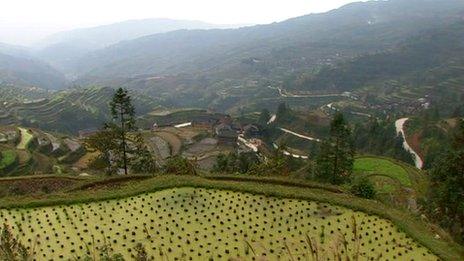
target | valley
x=328, y=136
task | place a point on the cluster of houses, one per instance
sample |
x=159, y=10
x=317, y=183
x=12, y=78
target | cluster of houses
x=222, y=126
x=227, y=131
x=406, y=106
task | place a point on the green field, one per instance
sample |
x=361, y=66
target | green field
x=202, y=224
x=26, y=138
x=7, y=159
x=101, y=194
x=383, y=172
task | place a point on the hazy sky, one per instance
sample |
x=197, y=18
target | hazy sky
x=26, y=21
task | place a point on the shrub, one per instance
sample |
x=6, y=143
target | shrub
x=235, y=162
x=363, y=188
x=180, y=166
x=144, y=164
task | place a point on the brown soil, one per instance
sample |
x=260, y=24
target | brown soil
x=414, y=143
x=111, y=182
x=35, y=185
x=84, y=161
x=24, y=157
x=172, y=139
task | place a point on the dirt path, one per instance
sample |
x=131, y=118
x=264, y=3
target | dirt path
x=286, y=153
x=300, y=135
x=183, y=125
x=284, y=93
x=272, y=119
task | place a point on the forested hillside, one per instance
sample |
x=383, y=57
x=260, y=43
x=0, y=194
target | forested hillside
x=294, y=44
x=28, y=71
x=61, y=48
x=430, y=64
x=204, y=62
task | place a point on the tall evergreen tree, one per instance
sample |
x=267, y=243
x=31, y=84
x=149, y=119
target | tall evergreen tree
x=119, y=143
x=123, y=113
x=447, y=189
x=334, y=162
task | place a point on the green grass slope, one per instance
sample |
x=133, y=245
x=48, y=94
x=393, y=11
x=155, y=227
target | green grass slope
x=7, y=159
x=371, y=166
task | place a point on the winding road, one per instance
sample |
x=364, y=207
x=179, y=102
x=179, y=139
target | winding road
x=300, y=135
x=399, y=124
x=285, y=94
x=286, y=153
x=273, y=118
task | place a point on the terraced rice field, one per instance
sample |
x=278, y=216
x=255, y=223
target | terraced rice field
x=26, y=138
x=68, y=111
x=385, y=173
x=8, y=157
x=207, y=224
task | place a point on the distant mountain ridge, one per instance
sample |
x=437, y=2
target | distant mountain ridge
x=93, y=38
x=206, y=62
x=278, y=48
x=18, y=68
x=423, y=59
x=14, y=50
x=61, y=48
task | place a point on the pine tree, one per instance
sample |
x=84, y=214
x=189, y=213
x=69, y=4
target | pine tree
x=119, y=143
x=334, y=163
x=447, y=193
x=123, y=113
